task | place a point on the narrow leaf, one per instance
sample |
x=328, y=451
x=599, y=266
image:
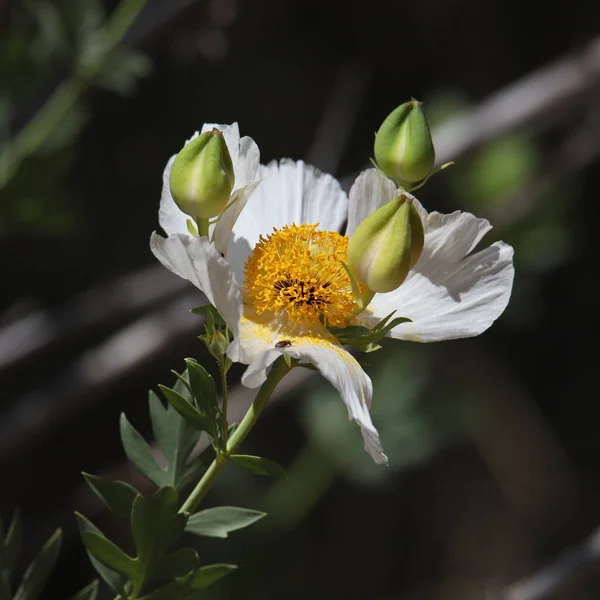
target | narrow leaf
x=221, y=520
x=114, y=579
x=207, y=575
x=140, y=454
x=195, y=466
x=117, y=495
x=89, y=592
x=12, y=544
x=258, y=465
x=203, y=388
x=210, y=313
x=156, y=525
x=110, y=554
x=192, y=415
x=175, y=436
x=39, y=570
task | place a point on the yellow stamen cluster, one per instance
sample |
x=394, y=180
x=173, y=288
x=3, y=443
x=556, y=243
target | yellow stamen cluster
x=298, y=270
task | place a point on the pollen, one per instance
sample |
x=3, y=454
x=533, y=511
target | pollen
x=298, y=271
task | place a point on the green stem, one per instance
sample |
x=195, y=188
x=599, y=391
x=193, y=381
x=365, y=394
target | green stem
x=202, y=226
x=279, y=369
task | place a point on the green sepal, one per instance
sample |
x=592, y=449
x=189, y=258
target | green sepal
x=258, y=465
x=117, y=581
x=366, y=339
x=191, y=227
x=192, y=415
x=220, y=521
x=117, y=495
x=38, y=572
x=140, y=454
x=89, y=592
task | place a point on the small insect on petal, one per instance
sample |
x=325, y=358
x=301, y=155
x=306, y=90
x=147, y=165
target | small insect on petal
x=283, y=344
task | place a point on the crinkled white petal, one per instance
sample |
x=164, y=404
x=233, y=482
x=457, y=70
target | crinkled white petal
x=448, y=299
x=290, y=192
x=245, y=157
x=198, y=261
x=258, y=337
x=369, y=191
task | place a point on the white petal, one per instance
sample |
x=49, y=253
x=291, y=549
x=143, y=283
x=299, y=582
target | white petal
x=370, y=191
x=314, y=345
x=221, y=232
x=448, y=299
x=292, y=192
x=198, y=261
x=171, y=219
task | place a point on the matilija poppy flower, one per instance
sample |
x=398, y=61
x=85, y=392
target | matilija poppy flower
x=282, y=278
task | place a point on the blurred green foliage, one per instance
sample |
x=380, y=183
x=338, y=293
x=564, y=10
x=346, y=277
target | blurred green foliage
x=52, y=52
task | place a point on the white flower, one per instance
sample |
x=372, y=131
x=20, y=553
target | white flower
x=283, y=274
x=245, y=157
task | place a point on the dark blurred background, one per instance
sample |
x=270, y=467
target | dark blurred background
x=493, y=443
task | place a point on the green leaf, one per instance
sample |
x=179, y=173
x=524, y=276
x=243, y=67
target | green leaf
x=187, y=588
x=89, y=592
x=12, y=545
x=174, y=435
x=156, y=525
x=117, y=495
x=39, y=570
x=207, y=575
x=258, y=465
x=192, y=415
x=176, y=564
x=140, y=454
x=110, y=554
x=197, y=465
x=113, y=578
x=203, y=388
x=211, y=314
x=221, y=520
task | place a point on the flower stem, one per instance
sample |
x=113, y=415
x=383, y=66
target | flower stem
x=224, y=393
x=279, y=369
x=202, y=226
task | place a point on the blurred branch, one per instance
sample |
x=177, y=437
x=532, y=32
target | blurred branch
x=536, y=101
x=39, y=128
x=578, y=150
x=40, y=333
x=557, y=574
x=79, y=384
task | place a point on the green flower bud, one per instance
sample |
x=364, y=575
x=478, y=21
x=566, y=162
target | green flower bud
x=386, y=245
x=202, y=177
x=217, y=344
x=403, y=146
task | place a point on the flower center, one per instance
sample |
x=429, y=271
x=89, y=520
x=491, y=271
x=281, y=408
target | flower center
x=298, y=270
